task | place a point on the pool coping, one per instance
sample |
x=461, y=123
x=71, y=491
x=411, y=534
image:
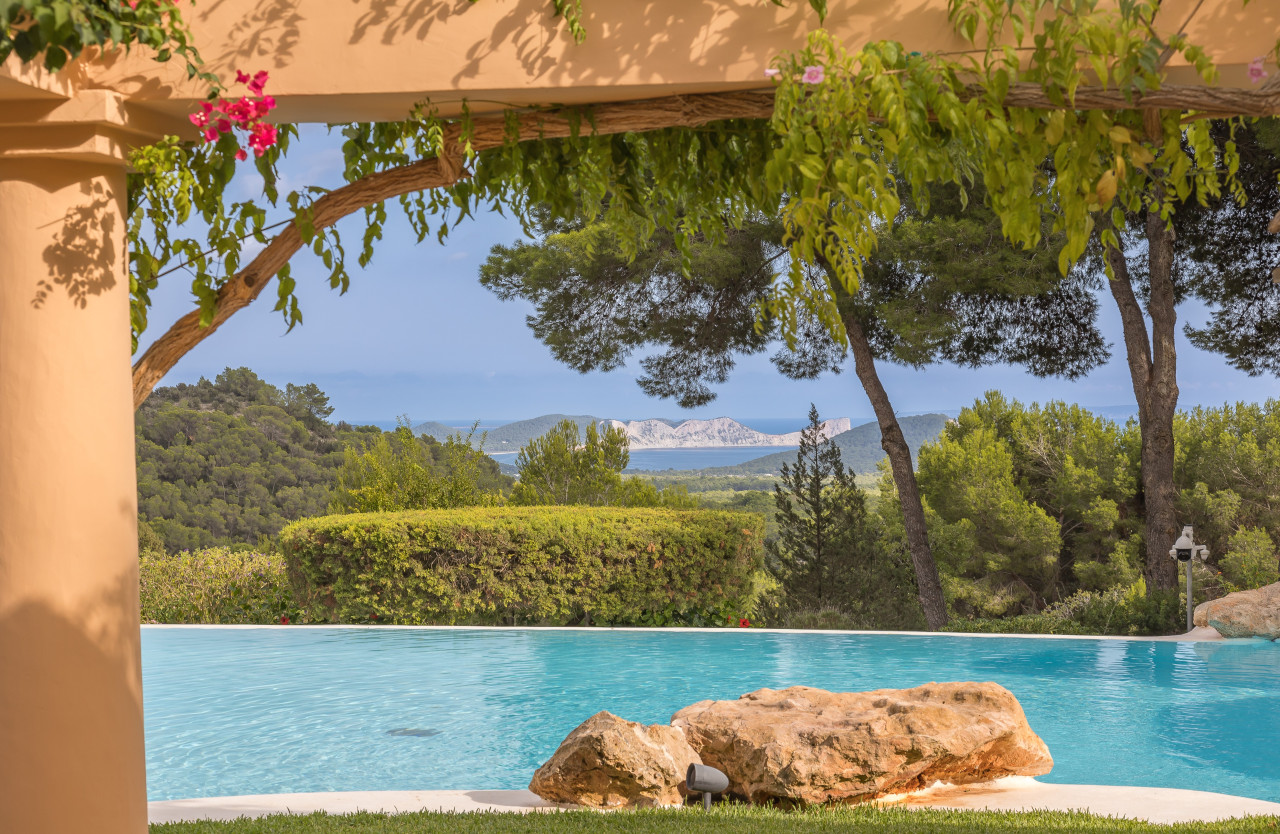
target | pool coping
x=1199, y=634
x=1158, y=805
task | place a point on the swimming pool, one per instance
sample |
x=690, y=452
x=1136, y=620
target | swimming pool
x=274, y=710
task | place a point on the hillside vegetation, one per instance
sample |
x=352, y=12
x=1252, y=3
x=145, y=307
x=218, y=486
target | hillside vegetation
x=512, y=436
x=232, y=461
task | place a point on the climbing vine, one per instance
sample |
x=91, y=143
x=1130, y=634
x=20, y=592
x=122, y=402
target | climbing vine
x=847, y=132
x=855, y=127
x=57, y=31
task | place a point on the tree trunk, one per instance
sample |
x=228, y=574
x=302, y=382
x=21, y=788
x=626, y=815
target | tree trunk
x=895, y=446
x=1153, y=370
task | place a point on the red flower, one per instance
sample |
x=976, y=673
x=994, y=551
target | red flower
x=744, y=623
x=284, y=621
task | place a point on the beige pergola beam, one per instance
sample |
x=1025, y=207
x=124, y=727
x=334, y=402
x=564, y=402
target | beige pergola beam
x=70, y=680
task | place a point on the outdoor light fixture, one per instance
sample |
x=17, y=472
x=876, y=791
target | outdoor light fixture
x=706, y=779
x=1185, y=550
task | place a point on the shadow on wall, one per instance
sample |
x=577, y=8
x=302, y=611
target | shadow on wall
x=83, y=252
x=71, y=716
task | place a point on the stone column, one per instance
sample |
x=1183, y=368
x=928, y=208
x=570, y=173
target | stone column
x=71, y=732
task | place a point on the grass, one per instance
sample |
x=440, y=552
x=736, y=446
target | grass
x=722, y=820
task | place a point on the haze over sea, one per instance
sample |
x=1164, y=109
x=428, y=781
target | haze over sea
x=649, y=460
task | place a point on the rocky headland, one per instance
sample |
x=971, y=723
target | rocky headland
x=722, y=431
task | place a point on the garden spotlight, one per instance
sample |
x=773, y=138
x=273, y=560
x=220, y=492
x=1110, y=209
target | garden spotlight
x=705, y=779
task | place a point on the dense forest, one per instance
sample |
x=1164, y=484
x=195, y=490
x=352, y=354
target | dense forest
x=230, y=462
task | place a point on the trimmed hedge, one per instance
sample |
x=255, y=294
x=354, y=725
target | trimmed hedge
x=527, y=565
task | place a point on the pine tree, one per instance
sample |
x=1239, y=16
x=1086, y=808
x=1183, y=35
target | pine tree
x=826, y=550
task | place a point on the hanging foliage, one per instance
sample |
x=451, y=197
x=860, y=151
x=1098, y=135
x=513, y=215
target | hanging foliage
x=1059, y=109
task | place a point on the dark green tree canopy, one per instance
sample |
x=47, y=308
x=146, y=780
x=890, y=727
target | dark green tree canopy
x=946, y=287
x=1228, y=259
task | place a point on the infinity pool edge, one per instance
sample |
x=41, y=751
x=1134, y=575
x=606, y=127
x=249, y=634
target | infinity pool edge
x=1196, y=635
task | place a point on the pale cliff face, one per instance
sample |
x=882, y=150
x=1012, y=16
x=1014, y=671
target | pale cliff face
x=722, y=431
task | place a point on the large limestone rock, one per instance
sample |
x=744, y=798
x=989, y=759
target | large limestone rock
x=805, y=746
x=608, y=762
x=1253, y=613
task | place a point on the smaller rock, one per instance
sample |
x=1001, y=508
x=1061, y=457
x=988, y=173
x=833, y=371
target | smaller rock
x=608, y=762
x=1253, y=613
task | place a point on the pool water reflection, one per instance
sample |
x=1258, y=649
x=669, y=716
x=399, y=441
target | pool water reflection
x=274, y=710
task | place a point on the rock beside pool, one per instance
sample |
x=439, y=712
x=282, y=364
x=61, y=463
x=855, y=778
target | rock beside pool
x=608, y=762
x=1253, y=613
x=804, y=746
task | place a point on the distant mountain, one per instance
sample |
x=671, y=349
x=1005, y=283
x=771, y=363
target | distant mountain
x=512, y=436
x=439, y=431
x=704, y=434
x=656, y=433
x=859, y=447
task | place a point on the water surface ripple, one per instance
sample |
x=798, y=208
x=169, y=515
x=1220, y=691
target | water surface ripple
x=279, y=710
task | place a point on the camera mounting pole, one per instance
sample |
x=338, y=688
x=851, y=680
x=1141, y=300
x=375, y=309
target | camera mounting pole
x=1185, y=550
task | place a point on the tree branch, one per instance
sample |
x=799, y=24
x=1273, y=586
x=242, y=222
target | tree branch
x=627, y=117
x=1137, y=343
x=489, y=132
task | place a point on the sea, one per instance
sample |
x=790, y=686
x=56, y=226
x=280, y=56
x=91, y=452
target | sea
x=656, y=460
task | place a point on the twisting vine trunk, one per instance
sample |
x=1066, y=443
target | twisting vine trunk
x=486, y=133
x=622, y=117
x=1152, y=362
x=894, y=443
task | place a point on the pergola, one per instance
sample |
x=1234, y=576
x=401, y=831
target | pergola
x=71, y=730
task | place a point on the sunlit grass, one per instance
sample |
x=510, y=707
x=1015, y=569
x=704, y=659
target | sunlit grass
x=721, y=820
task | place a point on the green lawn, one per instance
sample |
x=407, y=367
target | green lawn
x=725, y=820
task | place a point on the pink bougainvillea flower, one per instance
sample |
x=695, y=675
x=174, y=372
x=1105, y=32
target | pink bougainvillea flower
x=772, y=73
x=813, y=75
x=133, y=4
x=225, y=116
x=262, y=137
x=1256, y=72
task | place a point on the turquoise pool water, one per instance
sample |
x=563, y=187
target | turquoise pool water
x=276, y=710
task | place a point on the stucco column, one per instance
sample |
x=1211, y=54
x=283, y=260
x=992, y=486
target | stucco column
x=71, y=732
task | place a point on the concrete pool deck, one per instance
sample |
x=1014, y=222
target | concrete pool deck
x=1159, y=805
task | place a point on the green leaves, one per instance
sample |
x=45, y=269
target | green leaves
x=60, y=30
x=832, y=162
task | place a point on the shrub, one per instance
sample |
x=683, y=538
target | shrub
x=1251, y=559
x=215, y=586
x=533, y=565
x=1121, y=611
x=1021, y=624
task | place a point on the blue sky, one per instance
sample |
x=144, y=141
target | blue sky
x=416, y=334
